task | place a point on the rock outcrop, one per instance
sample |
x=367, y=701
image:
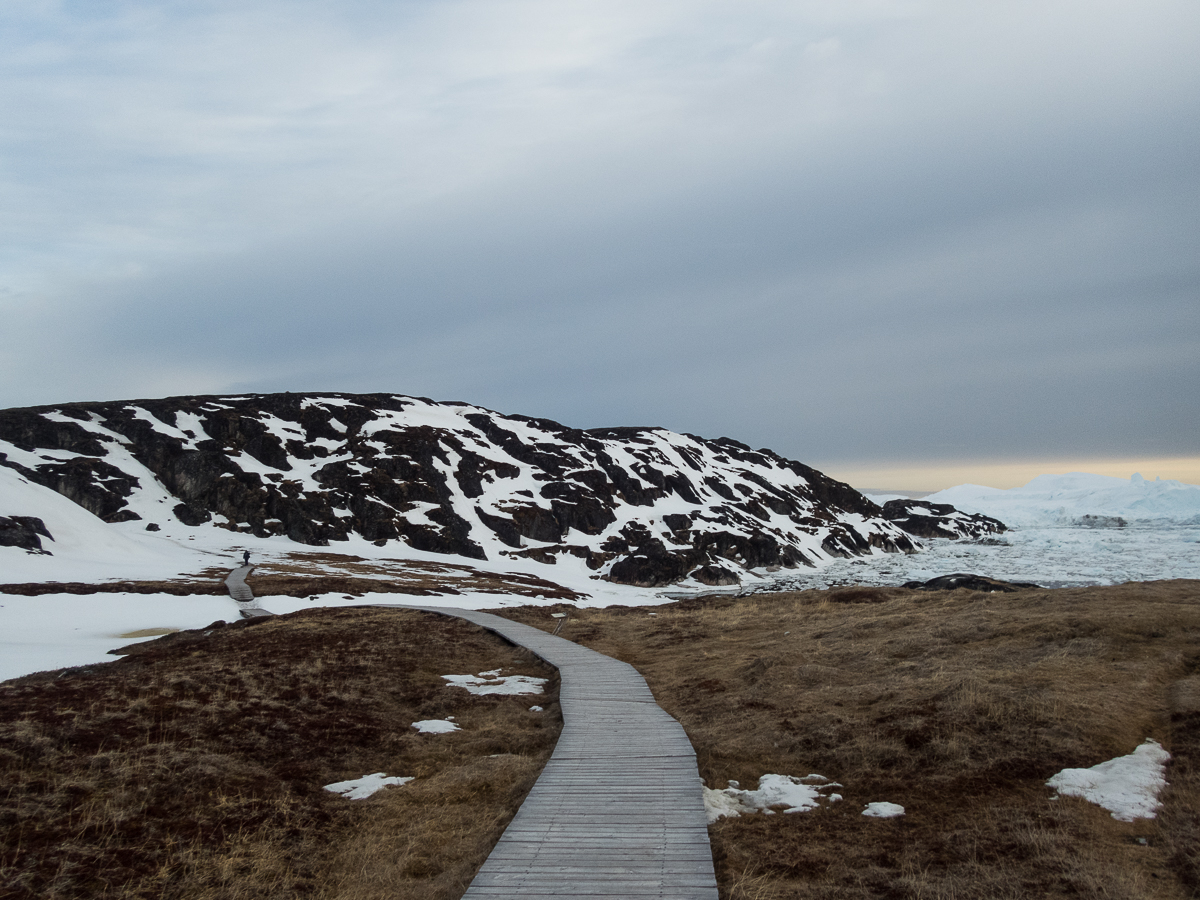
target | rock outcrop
x=641, y=506
x=939, y=520
x=970, y=582
x=25, y=532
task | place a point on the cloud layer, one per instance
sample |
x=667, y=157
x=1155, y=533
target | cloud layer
x=846, y=230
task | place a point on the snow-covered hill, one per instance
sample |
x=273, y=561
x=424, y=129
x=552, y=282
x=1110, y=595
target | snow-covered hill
x=638, y=506
x=1079, y=498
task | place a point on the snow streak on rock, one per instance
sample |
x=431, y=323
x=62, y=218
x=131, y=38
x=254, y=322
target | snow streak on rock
x=641, y=506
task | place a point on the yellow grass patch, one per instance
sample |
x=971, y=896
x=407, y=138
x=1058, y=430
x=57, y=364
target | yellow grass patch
x=147, y=632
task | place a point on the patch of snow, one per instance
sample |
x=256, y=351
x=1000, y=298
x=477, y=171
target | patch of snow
x=1128, y=786
x=535, y=709
x=494, y=683
x=776, y=793
x=435, y=726
x=881, y=809
x=361, y=788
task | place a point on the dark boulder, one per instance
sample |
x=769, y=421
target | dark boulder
x=715, y=575
x=650, y=570
x=969, y=582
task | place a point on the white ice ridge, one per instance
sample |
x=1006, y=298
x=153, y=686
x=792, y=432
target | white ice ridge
x=361, y=788
x=1066, y=499
x=494, y=683
x=1127, y=786
x=435, y=726
x=776, y=793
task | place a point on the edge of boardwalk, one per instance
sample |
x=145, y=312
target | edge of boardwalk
x=618, y=810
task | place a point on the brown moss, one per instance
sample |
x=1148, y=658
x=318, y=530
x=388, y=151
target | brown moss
x=194, y=766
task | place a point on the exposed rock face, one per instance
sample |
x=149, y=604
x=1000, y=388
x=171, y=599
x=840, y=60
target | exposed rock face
x=640, y=506
x=939, y=520
x=25, y=532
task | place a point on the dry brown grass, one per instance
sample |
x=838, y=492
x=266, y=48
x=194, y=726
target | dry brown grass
x=312, y=572
x=193, y=768
x=956, y=705
x=304, y=573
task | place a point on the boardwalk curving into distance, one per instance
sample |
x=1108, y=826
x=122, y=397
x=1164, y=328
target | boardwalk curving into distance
x=236, y=582
x=618, y=811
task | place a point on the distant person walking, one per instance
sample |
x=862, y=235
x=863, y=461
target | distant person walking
x=245, y=557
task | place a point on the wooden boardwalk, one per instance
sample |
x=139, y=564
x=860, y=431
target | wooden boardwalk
x=236, y=582
x=618, y=811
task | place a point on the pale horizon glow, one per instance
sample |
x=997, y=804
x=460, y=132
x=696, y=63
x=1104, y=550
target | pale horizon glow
x=915, y=476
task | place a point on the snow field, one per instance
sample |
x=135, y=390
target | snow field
x=54, y=631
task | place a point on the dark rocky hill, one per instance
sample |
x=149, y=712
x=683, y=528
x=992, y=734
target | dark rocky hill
x=939, y=520
x=640, y=506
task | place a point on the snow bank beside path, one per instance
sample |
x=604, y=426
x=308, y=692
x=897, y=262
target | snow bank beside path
x=494, y=683
x=1066, y=499
x=1128, y=786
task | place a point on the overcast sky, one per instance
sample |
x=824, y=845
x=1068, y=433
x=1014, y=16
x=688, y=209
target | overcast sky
x=855, y=231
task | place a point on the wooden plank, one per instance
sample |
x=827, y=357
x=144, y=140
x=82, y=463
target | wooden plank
x=618, y=810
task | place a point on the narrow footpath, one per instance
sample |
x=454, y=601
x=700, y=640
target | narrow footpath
x=235, y=581
x=618, y=811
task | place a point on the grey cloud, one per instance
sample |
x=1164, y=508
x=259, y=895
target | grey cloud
x=868, y=261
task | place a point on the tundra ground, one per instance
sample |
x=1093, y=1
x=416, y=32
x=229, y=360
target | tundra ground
x=956, y=705
x=193, y=768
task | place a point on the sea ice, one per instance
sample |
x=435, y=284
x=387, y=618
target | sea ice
x=1052, y=556
x=1065, y=499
